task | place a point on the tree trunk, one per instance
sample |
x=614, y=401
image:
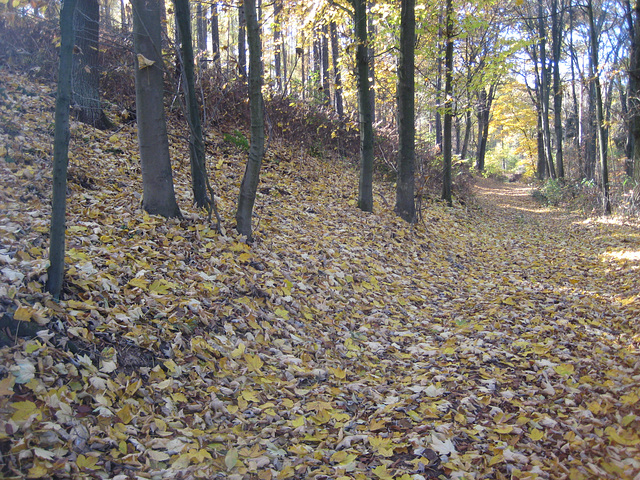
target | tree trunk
x=277, y=43
x=405, y=185
x=196, y=142
x=55, y=272
x=371, y=53
x=544, y=90
x=157, y=180
x=365, y=190
x=485, y=100
x=86, y=65
x=633, y=95
x=242, y=42
x=556, y=36
x=336, y=70
x=438, y=93
x=448, y=105
x=467, y=134
x=215, y=36
x=602, y=134
x=201, y=28
x=249, y=185
x=325, y=65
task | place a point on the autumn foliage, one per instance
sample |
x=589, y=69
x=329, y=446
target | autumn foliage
x=491, y=340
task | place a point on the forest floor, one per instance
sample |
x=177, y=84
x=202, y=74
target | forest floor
x=495, y=339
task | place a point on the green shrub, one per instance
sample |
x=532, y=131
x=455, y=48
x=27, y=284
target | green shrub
x=238, y=139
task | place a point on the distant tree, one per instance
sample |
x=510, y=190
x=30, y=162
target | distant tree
x=249, y=185
x=602, y=135
x=633, y=95
x=405, y=185
x=557, y=14
x=365, y=190
x=55, y=272
x=196, y=142
x=215, y=35
x=277, y=43
x=86, y=65
x=448, y=104
x=336, y=69
x=157, y=179
x=242, y=40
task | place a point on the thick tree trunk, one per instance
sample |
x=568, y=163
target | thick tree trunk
x=249, y=185
x=55, y=272
x=365, y=190
x=242, y=42
x=196, y=142
x=448, y=106
x=157, y=179
x=601, y=129
x=86, y=65
x=336, y=70
x=405, y=186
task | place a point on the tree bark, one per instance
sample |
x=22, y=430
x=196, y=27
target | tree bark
x=242, y=42
x=405, y=185
x=601, y=129
x=336, y=70
x=633, y=95
x=86, y=65
x=371, y=53
x=157, y=179
x=365, y=190
x=556, y=47
x=196, y=142
x=277, y=44
x=448, y=106
x=325, y=65
x=215, y=36
x=55, y=272
x=544, y=90
x=251, y=177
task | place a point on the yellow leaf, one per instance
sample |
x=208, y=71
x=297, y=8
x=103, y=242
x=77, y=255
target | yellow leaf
x=23, y=314
x=87, y=462
x=338, y=372
x=39, y=469
x=381, y=472
x=125, y=415
x=504, y=429
x=231, y=458
x=298, y=422
x=249, y=396
x=138, y=282
x=286, y=472
x=282, y=313
x=23, y=410
x=144, y=62
x=496, y=459
x=629, y=439
x=253, y=361
x=244, y=257
x=509, y=301
x=238, y=351
x=536, y=435
x=158, y=456
x=377, y=424
x=626, y=420
x=564, y=369
x=6, y=386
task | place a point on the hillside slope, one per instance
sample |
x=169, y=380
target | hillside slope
x=495, y=341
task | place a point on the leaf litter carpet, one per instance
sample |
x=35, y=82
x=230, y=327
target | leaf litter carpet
x=497, y=340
